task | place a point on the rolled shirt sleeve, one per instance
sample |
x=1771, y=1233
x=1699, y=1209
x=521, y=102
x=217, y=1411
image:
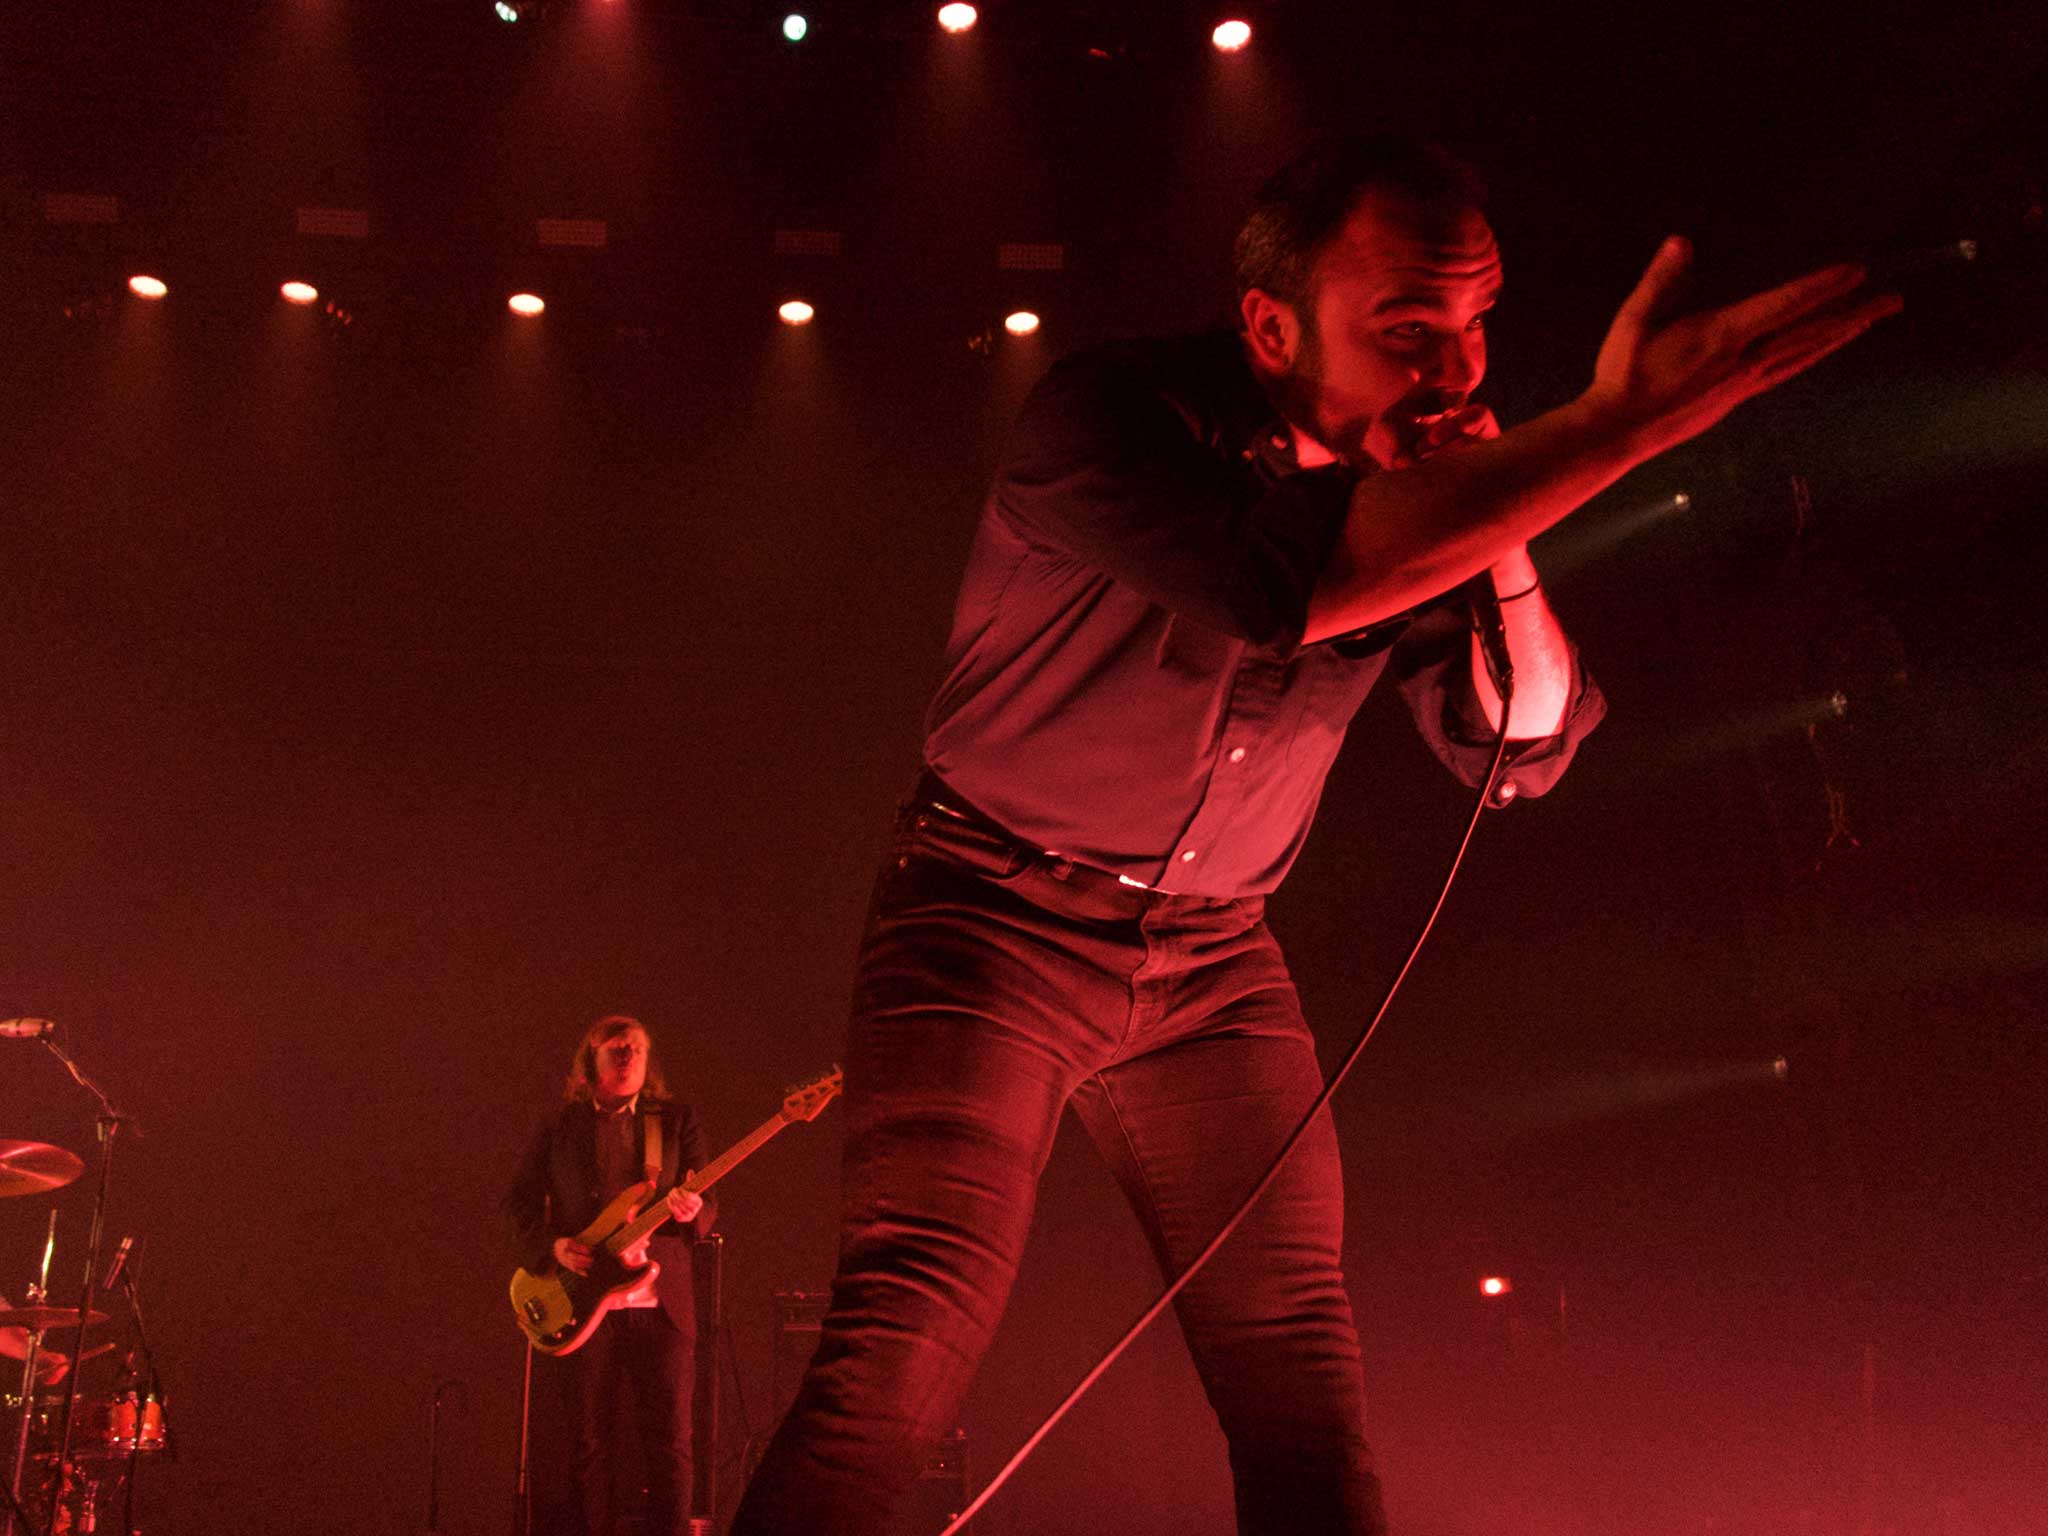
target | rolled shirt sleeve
x=1432, y=665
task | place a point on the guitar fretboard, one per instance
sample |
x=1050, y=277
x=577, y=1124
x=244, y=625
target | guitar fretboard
x=638, y=1228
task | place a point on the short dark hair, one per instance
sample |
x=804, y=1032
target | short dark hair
x=1299, y=210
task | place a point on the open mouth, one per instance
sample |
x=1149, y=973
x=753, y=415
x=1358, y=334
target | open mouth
x=1413, y=427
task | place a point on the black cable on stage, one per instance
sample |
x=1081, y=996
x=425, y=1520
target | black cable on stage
x=1504, y=684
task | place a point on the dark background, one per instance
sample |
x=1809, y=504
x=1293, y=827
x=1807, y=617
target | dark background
x=380, y=702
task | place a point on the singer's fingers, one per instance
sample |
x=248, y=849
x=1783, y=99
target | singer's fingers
x=1799, y=348
x=1657, y=288
x=1765, y=312
x=1467, y=424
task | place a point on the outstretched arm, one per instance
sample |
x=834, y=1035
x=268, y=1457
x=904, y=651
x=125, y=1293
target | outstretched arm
x=1657, y=382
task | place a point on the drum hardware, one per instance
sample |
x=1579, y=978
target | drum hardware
x=40, y=1319
x=110, y=1122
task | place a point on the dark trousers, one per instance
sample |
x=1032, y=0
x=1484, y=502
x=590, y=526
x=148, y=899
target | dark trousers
x=996, y=987
x=638, y=1366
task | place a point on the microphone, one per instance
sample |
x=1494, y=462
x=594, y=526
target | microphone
x=26, y=1029
x=120, y=1263
x=1491, y=627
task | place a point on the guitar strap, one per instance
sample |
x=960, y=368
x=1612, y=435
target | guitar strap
x=650, y=1162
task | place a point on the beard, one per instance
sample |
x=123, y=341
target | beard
x=1304, y=400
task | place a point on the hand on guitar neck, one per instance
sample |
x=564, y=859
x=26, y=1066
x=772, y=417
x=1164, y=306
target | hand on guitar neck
x=683, y=1205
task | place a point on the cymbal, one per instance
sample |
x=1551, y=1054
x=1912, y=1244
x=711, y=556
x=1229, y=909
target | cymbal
x=30, y=1167
x=33, y=1318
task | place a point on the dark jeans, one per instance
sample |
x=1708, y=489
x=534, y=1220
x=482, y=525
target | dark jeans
x=640, y=1365
x=997, y=986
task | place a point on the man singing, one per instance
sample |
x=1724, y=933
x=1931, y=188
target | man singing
x=1197, y=558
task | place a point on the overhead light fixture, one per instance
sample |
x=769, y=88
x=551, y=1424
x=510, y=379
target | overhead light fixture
x=296, y=292
x=525, y=305
x=1020, y=322
x=796, y=312
x=507, y=11
x=1230, y=36
x=795, y=26
x=146, y=287
x=958, y=17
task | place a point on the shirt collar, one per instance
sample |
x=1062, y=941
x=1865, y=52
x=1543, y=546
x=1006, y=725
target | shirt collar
x=1251, y=425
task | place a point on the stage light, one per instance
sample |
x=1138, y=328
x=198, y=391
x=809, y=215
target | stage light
x=795, y=27
x=958, y=17
x=525, y=305
x=1021, y=323
x=1231, y=36
x=296, y=292
x=507, y=12
x=796, y=312
x=144, y=286
x=1495, y=1285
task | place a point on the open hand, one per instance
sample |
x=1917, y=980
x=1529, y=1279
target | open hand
x=1670, y=379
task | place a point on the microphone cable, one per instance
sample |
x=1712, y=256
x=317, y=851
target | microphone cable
x=1492, y=644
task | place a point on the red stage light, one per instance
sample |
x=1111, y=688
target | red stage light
x=796, y=312
x=1021, y=323
x=146, y=287
x=525, y=305
x=296, y=292
x=1495, y=1285
x=1231, y=36
x=958, y=17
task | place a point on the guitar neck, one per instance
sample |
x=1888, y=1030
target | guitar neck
x=651, y=1218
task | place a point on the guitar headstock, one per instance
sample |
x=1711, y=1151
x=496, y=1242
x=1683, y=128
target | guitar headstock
x=808, y=1101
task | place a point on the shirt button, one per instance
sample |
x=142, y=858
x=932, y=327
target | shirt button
x=1237, y=754
x=1188, y=857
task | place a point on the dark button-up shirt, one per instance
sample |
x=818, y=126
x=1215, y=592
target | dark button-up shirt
x=1126, y=681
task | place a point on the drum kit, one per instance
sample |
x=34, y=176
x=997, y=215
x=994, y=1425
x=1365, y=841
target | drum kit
x=63, y=1480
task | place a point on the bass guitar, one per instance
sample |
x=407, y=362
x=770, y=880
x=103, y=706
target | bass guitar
x=558, y=1309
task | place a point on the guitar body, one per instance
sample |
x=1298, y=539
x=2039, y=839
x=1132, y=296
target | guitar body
x=557, y=1309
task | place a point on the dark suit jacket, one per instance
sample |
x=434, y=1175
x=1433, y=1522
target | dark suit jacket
x=556, y=1194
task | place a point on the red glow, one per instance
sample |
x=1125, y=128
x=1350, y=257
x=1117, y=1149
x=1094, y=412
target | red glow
x=525, y=305
x=1231, y=35
x=1495, y=1285
x=796, y=312
x=296, y=292
x=1021, y=323
x=958, y=17
x=146, y=287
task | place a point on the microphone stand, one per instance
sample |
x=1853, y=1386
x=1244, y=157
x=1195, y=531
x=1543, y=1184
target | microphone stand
x=110, y=1122
x=522, y=1493
x=38, y=1292
x=144, y=1396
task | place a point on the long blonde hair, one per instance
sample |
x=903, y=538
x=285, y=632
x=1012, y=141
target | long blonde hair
x=582, y=1080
